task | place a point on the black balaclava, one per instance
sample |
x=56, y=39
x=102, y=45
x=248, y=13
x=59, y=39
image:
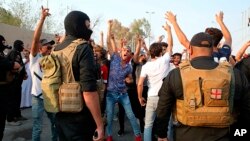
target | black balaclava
x=2, y=46
x=18, y=45
x=74, y=24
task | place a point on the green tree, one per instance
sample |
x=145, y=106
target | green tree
x=24, y=11
x=29, y=12
x=119, y=30
x=7, y=18
x=141, y=27
x=137, y=27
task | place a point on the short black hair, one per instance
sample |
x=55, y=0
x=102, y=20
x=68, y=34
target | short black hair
x=164, y=44
x=216, y=35
x=155, y=50
x=177, y=54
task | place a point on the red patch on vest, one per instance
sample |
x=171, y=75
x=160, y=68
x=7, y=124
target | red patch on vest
x=216, y=93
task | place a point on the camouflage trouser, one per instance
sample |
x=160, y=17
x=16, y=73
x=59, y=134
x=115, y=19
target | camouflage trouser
x=100, y=90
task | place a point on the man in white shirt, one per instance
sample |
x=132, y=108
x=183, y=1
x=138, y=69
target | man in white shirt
x=155, y=70
x=39, y=49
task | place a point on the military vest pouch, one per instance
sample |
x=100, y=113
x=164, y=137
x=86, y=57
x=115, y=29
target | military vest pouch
x=207, y=101
x=70, y=97
x=216, y=93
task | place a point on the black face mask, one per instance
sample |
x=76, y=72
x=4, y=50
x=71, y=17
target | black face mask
x=75, y=26
x=18, y=45
x=2, y=47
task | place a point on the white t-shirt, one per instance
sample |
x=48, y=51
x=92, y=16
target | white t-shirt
x=155, y=71
x=172, y=66
x=35, y=67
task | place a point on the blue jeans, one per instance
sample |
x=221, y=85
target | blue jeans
x=123, y=99
x=151, y=106
x=37, y=116
x=170, y=129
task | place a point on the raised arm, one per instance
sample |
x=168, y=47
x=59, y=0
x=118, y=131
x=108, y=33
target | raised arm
x=38, y=31
x=180, y=34
x=110, y=39
x=160, y=38
x=101, y=40
x=224, y=30
x=138, y=49
x=167, y=28
x=242, y=51
x=145, y=48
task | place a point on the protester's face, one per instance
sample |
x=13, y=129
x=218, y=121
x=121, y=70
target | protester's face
x=26, y=53
x=125, y=54
x=46, y=49
x=97, y=55
x=143, y=59
x=164, y=49
x=176, y=60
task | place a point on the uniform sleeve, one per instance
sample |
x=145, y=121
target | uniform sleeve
x=165, y=105
x=87, y=69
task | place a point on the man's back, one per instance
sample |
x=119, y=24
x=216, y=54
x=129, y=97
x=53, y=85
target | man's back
x=156, y=71
x=172, y=87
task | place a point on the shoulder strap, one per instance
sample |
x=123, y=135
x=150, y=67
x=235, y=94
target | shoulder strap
x=74, y=45
x=39, y=77
x=69, y=52
x=185, y=64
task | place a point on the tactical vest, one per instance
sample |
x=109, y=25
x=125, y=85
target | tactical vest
x=61, y=92
x=208, y=96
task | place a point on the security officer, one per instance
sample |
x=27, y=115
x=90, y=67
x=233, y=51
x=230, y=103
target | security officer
x=5, y=79
x=173, y=91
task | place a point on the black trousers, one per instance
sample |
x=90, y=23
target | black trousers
x=4, y=89
x=14, y=102
x=75, y=126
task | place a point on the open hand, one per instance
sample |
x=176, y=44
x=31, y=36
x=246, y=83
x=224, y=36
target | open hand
x=170, y=17
x=219, y=17
x=166, y=27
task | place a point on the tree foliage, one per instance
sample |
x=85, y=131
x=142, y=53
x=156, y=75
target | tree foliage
x=7, y=18
x=23, y=10
x=119, y=30
x=137, y=27
x=141, y=27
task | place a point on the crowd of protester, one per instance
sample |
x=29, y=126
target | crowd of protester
x=146, y=84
